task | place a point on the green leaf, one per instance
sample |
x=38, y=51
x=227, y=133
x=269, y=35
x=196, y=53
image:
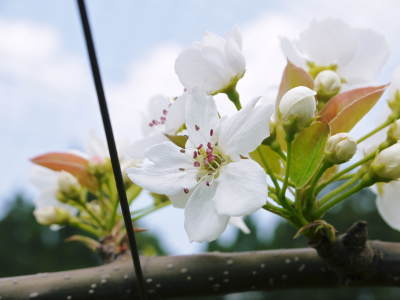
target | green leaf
x=308, y=152
x=265, y=155
x=293, y=76
x=345, y=110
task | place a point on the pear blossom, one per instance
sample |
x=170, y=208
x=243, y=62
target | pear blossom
x=163, y=116
x=211, y=178
x=388, y=203
x=386, y=164
x=51, y=215
x=298, y=104
x=214, y=64
x=356, y=54
x=327, y=83
x=340, y=148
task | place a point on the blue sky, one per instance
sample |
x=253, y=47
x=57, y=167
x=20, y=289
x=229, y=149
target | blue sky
x=48, y=101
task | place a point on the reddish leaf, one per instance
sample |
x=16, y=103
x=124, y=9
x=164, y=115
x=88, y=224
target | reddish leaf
x=68, y=162
x=340, y=101
x=293, y=76
x=344, y=111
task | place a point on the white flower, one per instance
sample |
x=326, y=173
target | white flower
x=51, y=215
x=388, y=203
x=212, y=178
x=327, y=83
x=298, y=104
x=163, y=116
x=386, y=164
x=48, y=183
x=214, y=64
x=393, y=133
x=340, y=148
x=359, y=54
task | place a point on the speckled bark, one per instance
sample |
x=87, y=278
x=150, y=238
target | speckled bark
x=206, y=274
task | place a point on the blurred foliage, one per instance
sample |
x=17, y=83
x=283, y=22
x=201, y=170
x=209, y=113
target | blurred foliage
x=28, y=247
x=360, y=206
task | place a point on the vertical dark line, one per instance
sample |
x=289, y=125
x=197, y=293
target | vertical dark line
x=111, y=147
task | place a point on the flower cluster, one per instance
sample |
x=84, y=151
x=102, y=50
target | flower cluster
x=277, y=154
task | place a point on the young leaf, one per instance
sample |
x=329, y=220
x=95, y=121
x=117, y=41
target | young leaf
x=345, y=110
x=293, y=76
x=68, y=162
x=265, y=155
x=308, y=152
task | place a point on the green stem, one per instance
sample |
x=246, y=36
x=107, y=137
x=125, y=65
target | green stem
x=340, y=198
x=339, y=189
x=288, y=162
x=389, y=121
x=82, y=203
x=276, y=210
x=151, y=209
x=132, y=192
x=233, y=95
x=344, y=171
x=76, y=223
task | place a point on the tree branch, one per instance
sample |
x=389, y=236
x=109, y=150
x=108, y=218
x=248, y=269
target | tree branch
x=205, y=274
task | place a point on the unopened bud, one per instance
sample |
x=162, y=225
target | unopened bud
x=51, y=215
x=340, y=148
x=327, y=83
x=386, y=165
x=66, y=181
x=393, y=134
x=297, y=107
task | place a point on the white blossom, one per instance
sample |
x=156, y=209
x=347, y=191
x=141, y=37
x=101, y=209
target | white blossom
x=388, y=203
x=340, y=148
x=359, y=54
x=211, y=178
x=386, y=164
x=213, y=64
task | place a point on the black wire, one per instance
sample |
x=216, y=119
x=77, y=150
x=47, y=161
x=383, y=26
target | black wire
x=111, y=147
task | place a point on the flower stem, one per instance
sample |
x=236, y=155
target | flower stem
x=339, y=189
x=389, y=121
x=287, y=171
x=151, y=209
x=233, y=95
x=344, y=171
x=340, y=198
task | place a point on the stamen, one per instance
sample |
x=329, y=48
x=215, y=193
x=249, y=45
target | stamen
x=195, y=154
x=208, y=151
x=211, y=132
x=209, y=145
x=182, y=151
x=207, y=183
x=199, y=146
x=196, y=164
x=197, y=127
x=181, y=169
x=186, y=190
x=165, y=112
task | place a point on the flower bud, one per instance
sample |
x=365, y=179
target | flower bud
x=51, y=215
x=340, y=148
x=386, y=165
x=66, y=181
x=297, y=107
x=327, y=83
x=393, y=134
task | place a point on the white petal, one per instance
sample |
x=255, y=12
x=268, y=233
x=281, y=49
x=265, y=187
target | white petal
x=175, y=116
x=239, y=223
x=329, y=41
x=292, y=53
x=201, y=117
x=202, y=223
x=234, y=57
x=96, y=147
x=242, y=188
x=180, y=199
x=194, y=71
x=244, y=131
x=166, y=170
x=138, y=148
x=388, y=204
x=372, y=54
